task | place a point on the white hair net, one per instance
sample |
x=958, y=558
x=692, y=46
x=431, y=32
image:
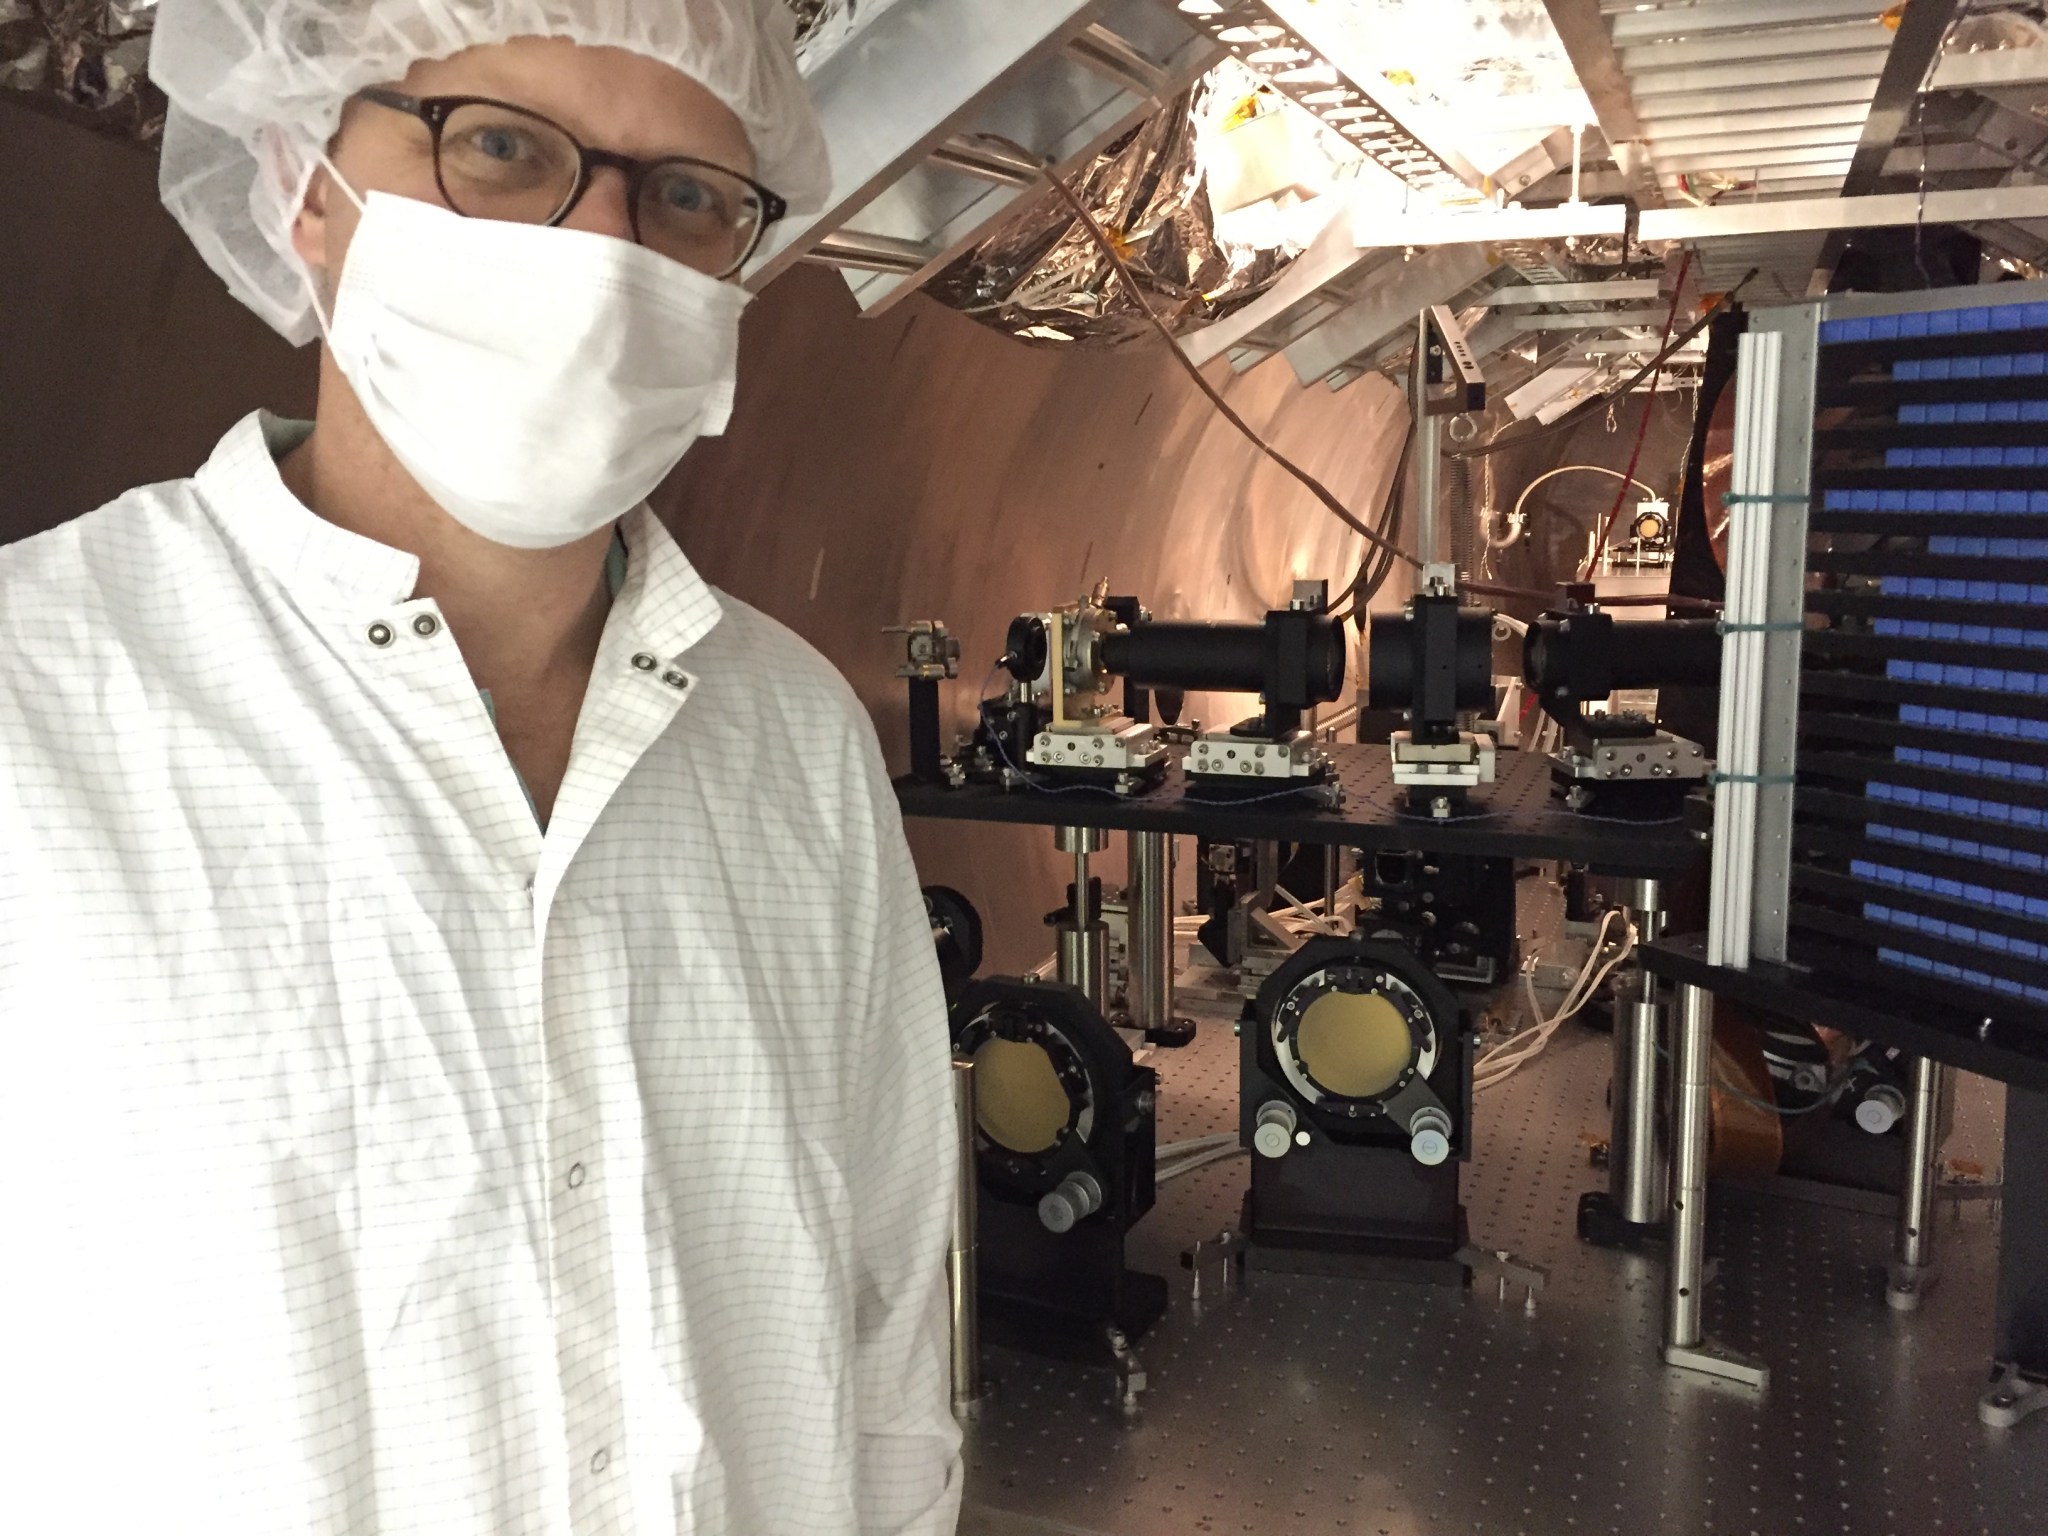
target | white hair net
x=257, y=86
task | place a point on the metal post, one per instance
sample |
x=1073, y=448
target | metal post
x=1428, y=447
x=1913, y=1268
x=963, y=1279
x=1083, y=941
x=1690, y=1059
x=1635, y=1177
x=1150, y=899
x=1685, y=1341
x=2019, y=1384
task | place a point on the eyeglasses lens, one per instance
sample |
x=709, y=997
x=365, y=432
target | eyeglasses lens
x=500, y=163
x=699, y=215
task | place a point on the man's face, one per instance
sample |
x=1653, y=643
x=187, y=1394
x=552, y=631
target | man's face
x=608, y=98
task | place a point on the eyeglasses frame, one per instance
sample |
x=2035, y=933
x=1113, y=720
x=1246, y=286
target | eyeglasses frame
x=434, y=112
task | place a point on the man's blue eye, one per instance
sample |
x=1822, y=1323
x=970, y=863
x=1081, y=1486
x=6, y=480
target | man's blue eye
x=685, y=194
x=499, y=144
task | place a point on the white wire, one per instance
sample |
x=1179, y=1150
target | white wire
x=1191, y=1164
x=1313, y=906
x=1571, y=991
x=1510, y=1054
x=1513, y=1055
x=1175, y=1149
x=1505, y=1059
x=1515, y=518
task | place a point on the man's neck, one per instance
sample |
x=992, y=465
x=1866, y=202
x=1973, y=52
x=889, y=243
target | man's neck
x=526, y=620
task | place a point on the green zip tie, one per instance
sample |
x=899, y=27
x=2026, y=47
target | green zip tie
x=1789, y=628
x=1732, y=499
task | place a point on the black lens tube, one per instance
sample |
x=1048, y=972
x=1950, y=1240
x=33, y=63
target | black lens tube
x=1575, y=658
x=1294, y=659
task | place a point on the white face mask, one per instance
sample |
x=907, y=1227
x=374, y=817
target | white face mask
x=537, y=382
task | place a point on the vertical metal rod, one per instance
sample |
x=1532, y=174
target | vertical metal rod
x=1732, y=900
x=1150, y=899
x=1916, y=1199
x=1082, y=957
x=1428, y=447
x=963, y=1278
x=1634, y=1171
x=1691, y=1056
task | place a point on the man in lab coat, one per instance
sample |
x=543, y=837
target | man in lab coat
x=474, y=1054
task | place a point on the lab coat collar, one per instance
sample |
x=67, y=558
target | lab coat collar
x=668, y=606
x=318, y=562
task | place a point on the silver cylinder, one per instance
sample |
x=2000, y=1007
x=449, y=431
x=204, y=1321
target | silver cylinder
x=1083, y=958
x=1691, y=1057
x=1635, y=1172
x=1916, y=1198
x=1464, y=512
x=1150, y=899
x=963, y=1280
x=1428, y=449
x=1635, y=1179
x=1083, y=954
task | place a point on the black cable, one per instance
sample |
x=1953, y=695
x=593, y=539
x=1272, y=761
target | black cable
x=1314, y=486
x=1377, y=564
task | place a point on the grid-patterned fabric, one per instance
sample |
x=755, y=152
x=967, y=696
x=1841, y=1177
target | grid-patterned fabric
x=380, y=1164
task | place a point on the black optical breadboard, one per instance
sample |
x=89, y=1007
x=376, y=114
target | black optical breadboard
x=1921, y=811
x=1516, y=816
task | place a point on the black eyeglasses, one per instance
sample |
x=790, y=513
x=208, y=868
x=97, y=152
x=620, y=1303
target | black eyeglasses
x=493, y=160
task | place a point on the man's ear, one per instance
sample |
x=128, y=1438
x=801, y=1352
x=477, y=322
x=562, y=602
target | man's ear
x=309, y=224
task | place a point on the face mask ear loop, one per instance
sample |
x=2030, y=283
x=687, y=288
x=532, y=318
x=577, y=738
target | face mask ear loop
x=305, y=273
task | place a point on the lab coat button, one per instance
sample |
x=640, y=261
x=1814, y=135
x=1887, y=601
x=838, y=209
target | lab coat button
x=575, y=1174
x=600, y=1461
x=380, y=634
x=644, y=662
x=425, y=625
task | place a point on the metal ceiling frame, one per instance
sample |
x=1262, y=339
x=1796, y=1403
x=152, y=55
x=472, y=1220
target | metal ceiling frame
x=1803, y=97
x=1829, y=213
x=1375, y=125
x=1583, y=30
x=904, y=98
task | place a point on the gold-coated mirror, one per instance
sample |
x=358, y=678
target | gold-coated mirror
x=1018, y=1099
x=1355, y=1045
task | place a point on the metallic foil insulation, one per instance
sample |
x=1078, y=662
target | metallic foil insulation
x=823, y=26
x=89, y=54
x=1042, y=278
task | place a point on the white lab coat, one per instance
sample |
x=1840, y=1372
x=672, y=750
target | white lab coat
x=381, y=1165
